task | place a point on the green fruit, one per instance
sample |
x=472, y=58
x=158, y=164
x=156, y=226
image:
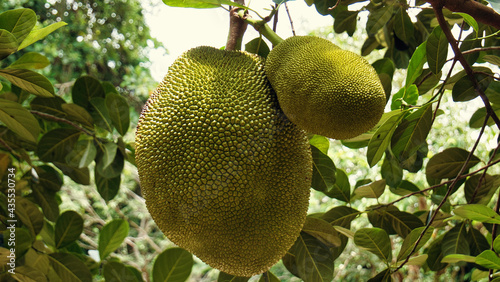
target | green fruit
x=323, y=89
x=224, y=173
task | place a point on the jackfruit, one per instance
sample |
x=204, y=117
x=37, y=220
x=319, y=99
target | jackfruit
x=323, y=89
x=224, y=173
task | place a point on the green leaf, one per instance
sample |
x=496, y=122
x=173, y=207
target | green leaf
x=391, y=171
x=257, y=46
x=341, y=216
x=320, y=142
x=471, y=42
x=86, y=88
x=77, y=113
x=477, y=119
x=404, y=188
x=477, y=241
x=403, y=26
x=341, y=190
x=372, y=190
x=83, y=154
x=49, y=178
x=29, y=81
x=411, y=133
x=46, y=199
x=455, y=241
x=448, y=163
x=411, y=239
x=268, y=277
x=225, y=277
x=107, y=187
x=382, y=138
x=112, y=170
x=69, y=268
x=112, y=236
x=118, y=112
x=376, y=241
x=19, y=120
x=479, y=189
x=321, y=230
x=403, y=222
x=416, y=64
x=323, y=171
x=39, y=34
x=56, y=144
x=19, y=22
x=435, y=255
x=79, y=175
x=492, y=59
x=201, y=4
x=488, y=259
x=30, y=215
x=100, y=114
x=464, y=89
x=470, y=21
x=117, y=271
x=108, y=151
x=437, y=49
x=454, y=258
x=346, y=21
x=8, y=43
x=496, y=244
x=314, y=262
x=30, y=60
x=478, y=212
x=69, y=226
x=173, y=264
x=51, y=106
x=383, y=276
x=378, y=18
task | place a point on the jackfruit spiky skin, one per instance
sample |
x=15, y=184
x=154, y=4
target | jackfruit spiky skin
x=324, y=89
x=224, y=173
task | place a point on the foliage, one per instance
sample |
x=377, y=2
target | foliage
x=411, y=203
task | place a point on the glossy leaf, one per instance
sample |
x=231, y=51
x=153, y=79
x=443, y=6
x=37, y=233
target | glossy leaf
x=479, y=189
x=465, y=90
x=454, y=258
x=403, y=26
x=383, y=276
x=341, y=216
x=30, y=215
x=19, y=22
x=477, y=241
x=30, y=60
x=478, y=212
x=100, y=114
x=46, y=199
x=488, y=259
x=470, y=21
x=416, y=64
x=56, y=144
x=372, y=190
x=69, y=268
x=225, y=277
x=411, y=240
x=77, y=113
x=86, y=88
x=111, y=236
x=455, y=241
x=320, y=142
x=117, y=271
x=112, y=170
x=346, y=21
x=391, y=171
x=107, y=187
x=8, y=43
x=201, y=4
x=79, y=175
x=118, y=112
x=382, y=138
x=412, y=133
x=403, y=222
x=435, y=255
x=321, y=230
x=496, y=244
x=376, y=241
x=313, y=260
x=378, y=18
x=50, y=106
x=268, y=277
x=437, y=50
x=173, y=264
x=19, y=120
x=30, y=81
x=49, y=178
x=477, y=118
x=448, y=163
x=83, y=154
x=257, y=46
x=69, y=226
x=39, y=34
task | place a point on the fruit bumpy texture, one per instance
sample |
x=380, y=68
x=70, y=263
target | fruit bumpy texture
x=224, y=173
x=323, y=89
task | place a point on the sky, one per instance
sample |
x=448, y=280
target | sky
x=180, y=29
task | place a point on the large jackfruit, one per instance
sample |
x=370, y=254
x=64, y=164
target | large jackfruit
x=224, y=173
x=323, y=89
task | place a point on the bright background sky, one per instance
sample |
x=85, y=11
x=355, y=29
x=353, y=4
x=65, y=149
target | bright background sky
x=180, y=29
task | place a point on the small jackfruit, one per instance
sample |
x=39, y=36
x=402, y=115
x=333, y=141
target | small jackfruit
x=323, y=89
x=224, y=173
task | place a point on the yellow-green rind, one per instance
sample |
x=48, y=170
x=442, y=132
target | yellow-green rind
x=224, y=173
x=323, y=89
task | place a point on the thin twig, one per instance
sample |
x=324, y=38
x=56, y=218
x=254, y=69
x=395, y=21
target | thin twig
x=63, y=120
x=290, y=19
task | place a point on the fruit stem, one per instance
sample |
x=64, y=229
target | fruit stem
x=237, y=28
x=261, y=26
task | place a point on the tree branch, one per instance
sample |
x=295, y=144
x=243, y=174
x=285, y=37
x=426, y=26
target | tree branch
x=478, y=11
x=237, y=28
